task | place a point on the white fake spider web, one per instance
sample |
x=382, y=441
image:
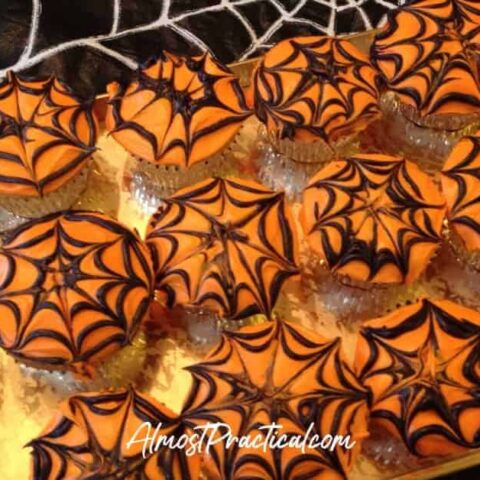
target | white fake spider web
x=287, y=15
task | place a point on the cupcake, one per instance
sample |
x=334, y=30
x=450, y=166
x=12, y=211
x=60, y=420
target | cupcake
x=373, y=222
x=429, y=54
x=74, y=289
x=421, y=364
x=224, y=247
x=47, y=137
x=90, y=438
x=177, y=118
x=314, y=95
x=278, y=374
x=460, y=180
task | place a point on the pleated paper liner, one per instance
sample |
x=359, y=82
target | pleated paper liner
x=469, y=260
x=33, y=207
x=96, y=188
x=149, y=182
x=287, y=165
x=427, y=141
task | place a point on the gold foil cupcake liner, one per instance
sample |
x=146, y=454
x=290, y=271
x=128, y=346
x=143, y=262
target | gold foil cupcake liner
x=61, y=199
x=427, y=140
x=352, y=301
x=150, y=182
x=287, y=165
x=469, y=259
x=205, y=327
x=118, y=370
x=101, y=193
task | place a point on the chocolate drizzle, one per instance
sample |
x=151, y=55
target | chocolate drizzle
x=75, y=286
x=315, y=87
x=278, y=372
x=371, y=217
x=429, y=55
x=46, y=135
x=223, y=244
x=178, y=110
x=89, y=441
x=461, y=186
x=422, y=366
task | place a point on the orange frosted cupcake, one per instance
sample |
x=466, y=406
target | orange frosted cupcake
x=223, y=246
x=89, y=439
x=47, y=136
x=315, y=95
x=421, y=364
x=460, y=179
x=428, y=53
x=373, y=221
x=74, y=289
x=177, y=117
x=278, y=373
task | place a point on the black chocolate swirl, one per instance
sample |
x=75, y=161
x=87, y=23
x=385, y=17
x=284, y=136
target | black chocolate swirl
x=89, y=441
x=74, y=287
x=178, y=110
x=422, y=364
x=46, y=135
x=223, y=244
x=315, y=87
x=278, y=373
x=461, y=188
x=374, y=218
x=429, y=55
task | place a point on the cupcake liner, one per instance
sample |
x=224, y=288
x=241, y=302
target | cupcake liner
x=100, y=194
x=119, y=369
x=287, y=165
x=61, y=199
x=353, y=301
x=151, y=182
x=467, y=259
x=319, y=152
x=204, y=326
x=427, y=140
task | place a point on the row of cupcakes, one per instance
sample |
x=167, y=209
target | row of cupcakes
x=315, y=95
x=415, y=375
x=47, y=140
x=223, y=248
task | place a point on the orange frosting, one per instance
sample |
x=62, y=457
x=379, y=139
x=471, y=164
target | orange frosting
x=429, y=54
x=46, y=135
x=178, y=110
x=374, y=218
x=74, y=288
x=226, y=245
x=278, y=373
x=461, y=187
x=89, y=437
x=421, y=363
x=311, y=88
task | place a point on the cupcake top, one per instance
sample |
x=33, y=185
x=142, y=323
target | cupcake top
x=226, y=245
x=428, y=53
x=46, y=135
x=278, y=373
x=311, y=88
x=74, y=288
x=373, y=218
x=421, y=363
x=461, y=187
x=178, y=110
x=89, y=439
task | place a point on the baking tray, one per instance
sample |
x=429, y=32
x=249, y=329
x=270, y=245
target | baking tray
x=29, y=398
